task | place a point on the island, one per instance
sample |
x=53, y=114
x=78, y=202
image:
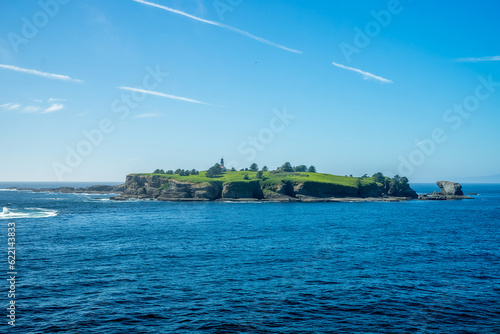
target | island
x=284, y=184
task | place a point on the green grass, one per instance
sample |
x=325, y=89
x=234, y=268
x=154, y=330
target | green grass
x=270, y=179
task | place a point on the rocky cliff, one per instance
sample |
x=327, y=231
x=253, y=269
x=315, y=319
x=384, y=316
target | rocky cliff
x=169, y=189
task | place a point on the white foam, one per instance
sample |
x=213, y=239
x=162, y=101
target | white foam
x=27, y=213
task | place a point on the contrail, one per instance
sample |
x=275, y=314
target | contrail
x=366, y=75
x=39, y=73
x=478, y=59
x=221, y=25
x=168, y=96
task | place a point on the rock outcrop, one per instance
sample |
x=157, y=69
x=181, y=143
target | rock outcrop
x=165, y=189
x=239, y=190
x=449, y=191
x=450, y=188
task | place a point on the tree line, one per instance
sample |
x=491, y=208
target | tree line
x=217, y=170
x=178, y=171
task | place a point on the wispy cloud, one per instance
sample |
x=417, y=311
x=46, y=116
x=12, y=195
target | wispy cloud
x=366, y=75
x=39, y=107
x=221, y=25
x=41, y=74
x=10, y=106
x=53, y=107
x=56, y=100
x=478, y=59
x=147, y=115
x=168, y=96
x=31, y=109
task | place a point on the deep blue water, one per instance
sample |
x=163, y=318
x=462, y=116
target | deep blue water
x=158, y=267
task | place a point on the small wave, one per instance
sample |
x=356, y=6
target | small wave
x=27, y=213
x=8, y=189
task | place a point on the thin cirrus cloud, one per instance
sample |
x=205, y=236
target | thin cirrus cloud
x=478, y=59
x=56, y=100
x=40, y=73
x=366, y=75
x=31, y=109
x=168, y=96
x=147, y=115
x=10, y=106
x=53, y=107
x=221, y=25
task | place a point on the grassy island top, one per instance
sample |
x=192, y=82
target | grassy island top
x=268, y=178
x=284, y=174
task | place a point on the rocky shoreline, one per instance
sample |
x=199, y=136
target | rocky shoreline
x=97, y=189
x=162, y=189
x=302, y=199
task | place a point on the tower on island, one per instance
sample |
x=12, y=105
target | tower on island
x=222, y=163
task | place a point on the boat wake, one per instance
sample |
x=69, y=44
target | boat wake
x=27, y=213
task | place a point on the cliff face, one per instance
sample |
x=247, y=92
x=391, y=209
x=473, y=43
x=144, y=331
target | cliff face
x=237, y=190
x=161, y=188
x=156, y=187
x=316, y=189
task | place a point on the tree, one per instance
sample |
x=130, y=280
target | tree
x=214, y=171
x=364, y=176
x=312, y=169
x=194, y=172
x=178, y=171
x=233, y=169
x=265, y=169
x=287, y=167
x=254, y=167
x=159, y=171
x=378, y=177
x=259, y=174
x=404, y=180
x=246, y=177
x=301, y=168
x=170, y=172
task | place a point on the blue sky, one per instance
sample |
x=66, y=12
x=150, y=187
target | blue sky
x=253, y=81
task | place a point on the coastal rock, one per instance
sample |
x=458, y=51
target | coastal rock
x=172, y=189
x=210, y=191
x=323, y=190
x=449, y=191
x=235, y=190
x=450, y=188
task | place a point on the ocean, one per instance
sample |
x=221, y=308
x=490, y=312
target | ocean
x=84, y=264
